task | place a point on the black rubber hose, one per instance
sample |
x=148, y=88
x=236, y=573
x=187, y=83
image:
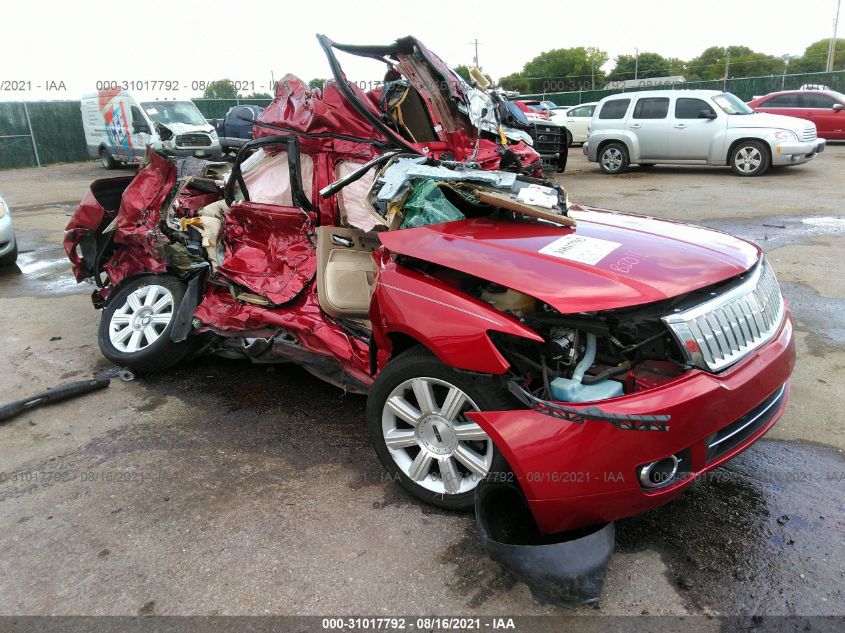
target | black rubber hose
x=607, y=373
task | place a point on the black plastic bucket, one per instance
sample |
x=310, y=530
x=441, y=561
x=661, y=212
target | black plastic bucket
x=565, y=569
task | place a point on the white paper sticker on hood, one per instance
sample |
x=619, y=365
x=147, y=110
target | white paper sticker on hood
x=578, y=248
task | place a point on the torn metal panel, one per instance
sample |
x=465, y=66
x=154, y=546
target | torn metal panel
x=452, y=133
x=313, y=329
x=139, y=217
x=323, y=119
x=395, y=178
x=481, y=112
x=270, y=250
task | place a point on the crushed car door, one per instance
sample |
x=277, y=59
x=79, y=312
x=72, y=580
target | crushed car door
x=269, y=229
x=424, y=102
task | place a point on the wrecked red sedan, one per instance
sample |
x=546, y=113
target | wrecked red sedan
x=399, y=243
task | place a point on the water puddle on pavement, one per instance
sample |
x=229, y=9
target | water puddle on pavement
x=776, y=231
x=763, y=534
x=42, y=270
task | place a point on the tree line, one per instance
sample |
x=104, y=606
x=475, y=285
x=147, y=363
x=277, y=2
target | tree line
x=580, y=68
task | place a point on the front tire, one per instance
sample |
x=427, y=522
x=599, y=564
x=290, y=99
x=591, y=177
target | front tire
x=106, y=159
x=9, y=258
x=136, y=323
x=750, y=158
x=562, y=159
x=416, y=418
x=613, y=158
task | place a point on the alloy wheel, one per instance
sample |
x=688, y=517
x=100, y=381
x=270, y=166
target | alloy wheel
x=748, y=159
x=430, y=439
x=611, y=159
x=142, y=318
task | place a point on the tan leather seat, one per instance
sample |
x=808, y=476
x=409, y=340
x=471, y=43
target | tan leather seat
x=345, y=271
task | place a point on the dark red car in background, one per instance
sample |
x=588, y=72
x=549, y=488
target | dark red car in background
x=825, y=108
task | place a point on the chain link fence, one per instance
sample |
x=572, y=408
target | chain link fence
x=36, y=133
x=746, y=88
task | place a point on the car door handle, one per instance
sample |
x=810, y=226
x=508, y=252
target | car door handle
x=681, y=126
x=635, y=126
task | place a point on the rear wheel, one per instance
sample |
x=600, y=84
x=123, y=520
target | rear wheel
x=750, y=158
x=136, y=323
x=613, y=158
x=106, y=159
x=416, y=416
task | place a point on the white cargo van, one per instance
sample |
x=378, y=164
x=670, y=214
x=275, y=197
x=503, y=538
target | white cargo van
x=118, y=128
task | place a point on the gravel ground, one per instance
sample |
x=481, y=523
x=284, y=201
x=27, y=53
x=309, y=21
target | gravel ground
x=223, y=488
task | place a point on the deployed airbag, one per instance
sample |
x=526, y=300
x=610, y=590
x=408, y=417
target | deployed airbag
x=268, y=179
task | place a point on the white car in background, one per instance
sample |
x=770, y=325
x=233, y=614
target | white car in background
x=576, y=119
x=695, y=127
x=8, y=244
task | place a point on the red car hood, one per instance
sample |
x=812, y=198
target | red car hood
x=610, y=260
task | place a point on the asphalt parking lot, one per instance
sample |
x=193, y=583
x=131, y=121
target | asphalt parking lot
x=222, y=488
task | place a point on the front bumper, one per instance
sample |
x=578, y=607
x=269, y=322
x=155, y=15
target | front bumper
x=574, y=474
x=209, y=152
x=796, y=153
x=7, y=236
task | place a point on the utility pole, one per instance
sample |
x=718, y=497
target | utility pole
x=727, y=68
x=785, y=59
x=475, y=59
x=831, y=49
x=636, y=61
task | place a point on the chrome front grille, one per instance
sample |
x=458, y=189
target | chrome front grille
x=719, y=332
x=193, y=140
x=809, y=133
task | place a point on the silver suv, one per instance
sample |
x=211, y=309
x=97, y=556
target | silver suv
x=695, y=127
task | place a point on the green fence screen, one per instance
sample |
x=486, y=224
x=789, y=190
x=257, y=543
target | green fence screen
x=57, y=125
x=746, y=88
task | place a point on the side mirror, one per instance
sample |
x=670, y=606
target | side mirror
x=140, y=126
x=706, y=114
x=838, y=106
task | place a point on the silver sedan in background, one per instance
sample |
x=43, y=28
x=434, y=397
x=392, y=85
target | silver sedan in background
x=8, y=245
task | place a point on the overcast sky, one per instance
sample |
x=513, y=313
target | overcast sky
x=187, y=41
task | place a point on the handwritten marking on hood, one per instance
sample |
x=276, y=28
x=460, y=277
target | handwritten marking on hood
x=579, y=248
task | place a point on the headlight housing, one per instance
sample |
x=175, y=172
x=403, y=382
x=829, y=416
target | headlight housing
x=785, y=135
x=4, y=208
x=213, y=133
